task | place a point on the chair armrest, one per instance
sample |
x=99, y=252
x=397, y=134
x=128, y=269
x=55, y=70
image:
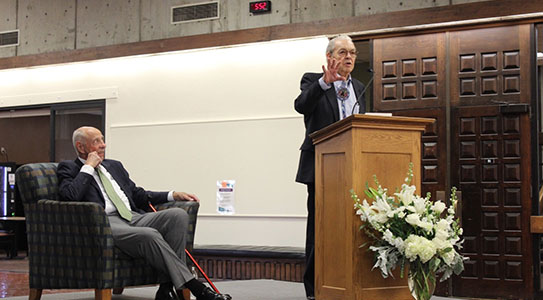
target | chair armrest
x=191, y=207
x=69, y=234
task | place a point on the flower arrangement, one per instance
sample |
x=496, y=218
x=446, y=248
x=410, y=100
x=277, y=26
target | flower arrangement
x=405, y=228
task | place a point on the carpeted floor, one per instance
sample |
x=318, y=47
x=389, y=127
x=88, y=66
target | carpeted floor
x=239, y=290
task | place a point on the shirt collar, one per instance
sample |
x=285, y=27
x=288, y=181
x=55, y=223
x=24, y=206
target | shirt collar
x=348, y=81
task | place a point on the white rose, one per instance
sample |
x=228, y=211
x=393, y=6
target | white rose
x=442, y=225
x=438, y=207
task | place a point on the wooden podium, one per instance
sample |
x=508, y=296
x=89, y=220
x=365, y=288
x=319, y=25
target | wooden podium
x=348, y=153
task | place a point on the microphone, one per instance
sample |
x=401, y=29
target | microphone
x=364, y=90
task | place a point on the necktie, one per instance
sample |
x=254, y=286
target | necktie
x=343, y=95
x=114, y=197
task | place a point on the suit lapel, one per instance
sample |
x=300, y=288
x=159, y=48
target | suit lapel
x=111, y=170
x=332, y=99
x=93, y=182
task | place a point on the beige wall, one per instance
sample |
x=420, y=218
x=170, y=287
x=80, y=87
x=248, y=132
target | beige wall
x=185, y=120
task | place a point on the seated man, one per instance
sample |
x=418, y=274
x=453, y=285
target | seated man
x=159, y=237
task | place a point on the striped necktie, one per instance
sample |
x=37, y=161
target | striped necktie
x=114, y=197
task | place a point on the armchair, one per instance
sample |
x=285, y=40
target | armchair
x=70, y=245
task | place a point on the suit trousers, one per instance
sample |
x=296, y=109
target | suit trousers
x=159, y=238
x=309, y=273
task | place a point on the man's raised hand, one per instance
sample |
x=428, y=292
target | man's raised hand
x=331, y=71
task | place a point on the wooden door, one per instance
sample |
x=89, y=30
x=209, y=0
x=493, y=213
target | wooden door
x=488, y=167
x=459, y=77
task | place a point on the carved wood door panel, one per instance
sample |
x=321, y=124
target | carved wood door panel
x=409, y=72
x=488, y=167
x=462, y=78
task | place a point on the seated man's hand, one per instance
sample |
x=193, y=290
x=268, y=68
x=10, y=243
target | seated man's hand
x=93, y=159
x=182, y=196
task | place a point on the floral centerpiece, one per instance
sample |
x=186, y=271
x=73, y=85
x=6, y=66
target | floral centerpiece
x=406, y=229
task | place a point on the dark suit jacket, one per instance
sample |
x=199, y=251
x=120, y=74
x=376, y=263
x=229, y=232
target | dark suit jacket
x=79, y=186
x=320, y=109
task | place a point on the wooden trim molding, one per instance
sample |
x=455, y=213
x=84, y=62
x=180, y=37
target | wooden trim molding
x=367, y=26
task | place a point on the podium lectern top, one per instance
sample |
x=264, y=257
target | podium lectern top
x=370, y=121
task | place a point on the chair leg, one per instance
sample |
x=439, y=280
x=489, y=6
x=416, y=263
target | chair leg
x=186, y=294
x=102, y=294
x=118, y=291
x=35, y=294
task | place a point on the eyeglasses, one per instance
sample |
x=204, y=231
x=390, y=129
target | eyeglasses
x=344, y=52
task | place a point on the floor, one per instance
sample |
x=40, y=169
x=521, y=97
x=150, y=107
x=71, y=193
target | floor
x=14, y=277
x=14, y=282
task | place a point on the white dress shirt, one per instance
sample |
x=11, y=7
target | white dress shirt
x=349, y=102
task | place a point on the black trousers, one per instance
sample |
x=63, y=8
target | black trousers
x=309, y=274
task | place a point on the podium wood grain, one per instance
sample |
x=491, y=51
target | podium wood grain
x=348, y=153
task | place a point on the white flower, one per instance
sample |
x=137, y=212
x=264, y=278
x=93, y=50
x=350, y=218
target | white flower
x=430, y=234
x=413, y=219
x=438, y=207
x=406, y=194
x=441, y=244
x=417, y=246
x=448, y=257
x=420, y=204
x=424, y=224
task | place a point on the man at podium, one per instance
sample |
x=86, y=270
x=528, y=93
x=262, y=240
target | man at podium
x=325, y=98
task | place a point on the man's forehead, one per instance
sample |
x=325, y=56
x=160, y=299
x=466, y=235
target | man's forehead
x=94, y=133
x=344, y=44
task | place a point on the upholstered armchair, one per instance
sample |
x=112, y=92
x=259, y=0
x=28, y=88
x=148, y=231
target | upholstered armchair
x=70, y=244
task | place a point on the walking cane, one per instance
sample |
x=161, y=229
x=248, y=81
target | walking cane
x=194, y=262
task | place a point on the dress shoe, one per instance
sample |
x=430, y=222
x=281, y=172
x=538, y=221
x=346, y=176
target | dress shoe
x=209, y=294
x=166, y=292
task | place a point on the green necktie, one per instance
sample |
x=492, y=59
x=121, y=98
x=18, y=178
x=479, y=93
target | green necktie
x=114, y=197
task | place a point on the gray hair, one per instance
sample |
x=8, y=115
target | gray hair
x=79, y=135
x=332, y=42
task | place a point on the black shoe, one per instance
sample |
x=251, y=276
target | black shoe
x=209, y=294
x=166, y=292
